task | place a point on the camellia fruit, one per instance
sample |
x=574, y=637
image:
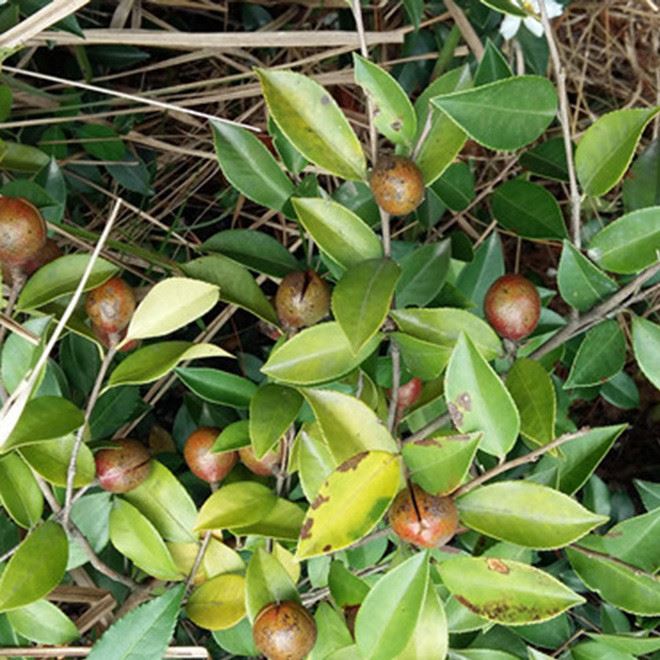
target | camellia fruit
x=409, y=393
x=397, y=185
x=122, y=468
x=203, y=462
x=264, y=467
x=22, y=232
x=513, y=307
x=302, y=299
x=47, y=253
x=110, y=306
x=284, y=631
x=425, y=520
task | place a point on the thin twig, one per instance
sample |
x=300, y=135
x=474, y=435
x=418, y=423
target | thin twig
x=394, y=392
x=198, y=560
x=429, y=428
x=16, y=286
x=468, y=32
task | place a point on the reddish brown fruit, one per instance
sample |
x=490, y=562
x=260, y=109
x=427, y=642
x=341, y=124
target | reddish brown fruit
x=425, y=520
x=110, y=306
x=109, y=339
x=265, y=466
x=284, y=631
x=22, y=231
x=397, y=185
x=409, y=393
x=122, y=468
x=302, y=299
x=204, y=463
x=513, y=306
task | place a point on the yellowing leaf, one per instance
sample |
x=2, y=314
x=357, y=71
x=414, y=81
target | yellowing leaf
x=219, y=603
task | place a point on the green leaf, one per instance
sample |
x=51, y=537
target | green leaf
x=60, y=278
x=154, y=361
x=527, y=514
x=649, y=493
x=533, y=392
x=51, y=461
x=217, y=386
x=601, y=355
x=493, y=66
x=346, y=589
x=624, y=587
x=629, y=643
x=485, y=113
x=20, y=495
x=35, y=568
x=642, y=187
x=646, y=346
x=455, y=187
x=422, y=358
x=293, y=160
x=628, y=244
x=332, y=633
x=144, y=632
x=273, y=409
x=249, y=166
x=528, y=209
x=315, y=460
x=621, y=391
x=506, y=591
x=506, y=7
x=440, y=464
x=387, y=618
x=318, y=354
x=478, y=401
x=43, y=623
x=309, y=117
x=236, y=284
x=219, y=603
x=430, y=636
x=282, y=522
x=394, y=116
x=338, y=232
x=362, y=299
x=255, y=250
x=348, y=425
x=44, y=418
x=423, y=274
x=267, y=581
x=581, y=283
x=607, y=147
x=443, y=326
x=475, y=278
x=336, y=519
x=102, y=142
x=166, y=503
x=134, y=536
x=547, y=159
x=233, y=436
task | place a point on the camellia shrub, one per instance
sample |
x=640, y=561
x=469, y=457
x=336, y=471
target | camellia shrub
x=394, y=465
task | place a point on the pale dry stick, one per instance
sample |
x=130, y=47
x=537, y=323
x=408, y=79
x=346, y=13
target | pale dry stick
x=15, y=405
x=396, y=381
x=470, y=36
x=16, y=286
x=564, y=120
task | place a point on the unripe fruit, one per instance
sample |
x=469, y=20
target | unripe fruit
x=206, y=464
x=409, y=393
x=110, y=306
x=513, y=306
x=302, y=299
x=425, y=520
x=122, y=468
x=397, y=185
x=22, y=231
x=264, y=467
x=284, y=631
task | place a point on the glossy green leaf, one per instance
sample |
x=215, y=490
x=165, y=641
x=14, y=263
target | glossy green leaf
x=423, y=274
x=113, y=409
x=476, y=277
x=506, y=591
x=394, y=116
x=547, y=159
x=607, y=147
x=423, y=359
x=527, y=514
x=629, y=643
x=443, y=326
x=642, y=187
x=485, y=112
x=582, y=284
x=346, y=588
x=309, y=117
x=338, y=232
x=233, y=436
x=455, y=187
x=628, y=589
x=101, y=141
x=493, y=66
x=387, y=618
x=154, y=361
x=316, y=355
x=533, y=393
x=478, y=401
x=35, y=568
x=362, y=299
x=601, y=355
x=315, y=460
x=440, y=464
x=621, y=391
x=166, y=503
x=283, y=522
x=628, y=244
x=348, y=425
x=219, y=603
x=43, y=623
x=332, y=633
x=649, y=493
x=217, y=386
x=646, y=345
x=51, y=461
x=236, y=284
x=22, y=157
x=255, y=250
x=293, y=160
x=528, y=209
x=267, y=581
x=134, y=536
x=336, y=518
x=249, y=166
x=20, y=495
x=273, y=409
x=144, y=632
x=60, y=278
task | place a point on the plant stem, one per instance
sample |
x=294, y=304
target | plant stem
x=392, y=413
x=198, y=560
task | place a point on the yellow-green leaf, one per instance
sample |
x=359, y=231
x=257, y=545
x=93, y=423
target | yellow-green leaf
x=219, y=603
